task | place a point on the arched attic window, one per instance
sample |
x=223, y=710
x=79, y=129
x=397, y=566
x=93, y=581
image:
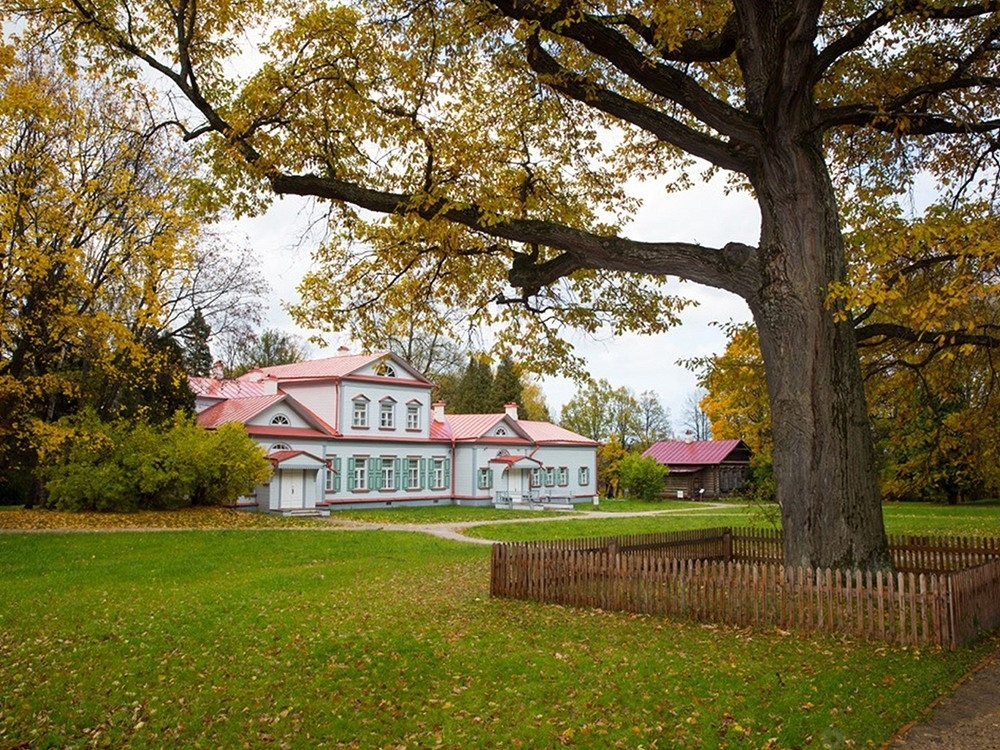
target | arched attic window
x=281, y=420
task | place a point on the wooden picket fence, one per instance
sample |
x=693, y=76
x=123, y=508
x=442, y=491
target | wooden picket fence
x=945, y=591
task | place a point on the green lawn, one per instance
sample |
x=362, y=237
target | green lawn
x=371, y=639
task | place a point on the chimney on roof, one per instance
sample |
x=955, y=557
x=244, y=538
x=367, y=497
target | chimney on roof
x=218, y=370
x=270, y=386
x=439, y=411
x=510, y=409
x=343, y=350
x=688, y=436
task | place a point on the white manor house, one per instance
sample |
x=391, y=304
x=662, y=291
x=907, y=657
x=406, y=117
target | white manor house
x=360, y=430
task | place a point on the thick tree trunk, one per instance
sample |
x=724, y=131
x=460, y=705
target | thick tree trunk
x=823, y=453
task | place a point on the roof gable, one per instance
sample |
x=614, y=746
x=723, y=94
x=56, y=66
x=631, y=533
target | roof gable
x=244, y=410
x=698, y=452
x=377, y=364
x=476, y=426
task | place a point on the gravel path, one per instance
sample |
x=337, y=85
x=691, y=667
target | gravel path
x=968, y=719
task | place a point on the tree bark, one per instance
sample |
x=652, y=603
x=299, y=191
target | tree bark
x=823, y=452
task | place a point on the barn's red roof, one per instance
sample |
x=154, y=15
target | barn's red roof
x=696, y=453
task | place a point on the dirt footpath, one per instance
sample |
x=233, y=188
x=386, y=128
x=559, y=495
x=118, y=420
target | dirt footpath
x=968, y=719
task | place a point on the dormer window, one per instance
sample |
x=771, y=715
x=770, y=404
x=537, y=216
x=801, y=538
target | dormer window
x=280, y=447
x=385, y=370
x=359, y=415
x=281, y=420
x=387, y=414
x=501, y=431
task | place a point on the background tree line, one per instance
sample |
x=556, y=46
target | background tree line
x=111, y=281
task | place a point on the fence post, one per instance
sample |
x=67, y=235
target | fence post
x=727, y=545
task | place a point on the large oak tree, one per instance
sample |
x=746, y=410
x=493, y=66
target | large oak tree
x=496, y=136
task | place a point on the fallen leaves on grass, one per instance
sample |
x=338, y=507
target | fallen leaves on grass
x=187, y=518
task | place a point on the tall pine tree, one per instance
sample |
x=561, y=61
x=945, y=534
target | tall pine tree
x=507, y=387
x=473, y=392
x=197, y=355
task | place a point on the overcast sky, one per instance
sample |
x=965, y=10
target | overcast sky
x=703, y=214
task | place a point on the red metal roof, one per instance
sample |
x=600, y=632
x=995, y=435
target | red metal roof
x=697, y=453
x=274, y=431
x=338, y=366
x=511, y=460
x=216, y=388
x=236, y=410
x=546, y=432
x=242, y=410
x=474, y=426
x=278, y=457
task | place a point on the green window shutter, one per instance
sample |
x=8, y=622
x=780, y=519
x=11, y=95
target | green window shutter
x=351, y=463
x=374, y=472
x=336, y=476
x=423, y=473
x=400, y=468
x=447, y=473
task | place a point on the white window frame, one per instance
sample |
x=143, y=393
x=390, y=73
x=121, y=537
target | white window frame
x=281, y=420
x=562, y=476
x=359, y=477
x=387, y=480
x=387, y=414
x=438, y=479
x=413, y=473
x=484, y=480
x=413, y=416
x=359, y=413
x=584, y=476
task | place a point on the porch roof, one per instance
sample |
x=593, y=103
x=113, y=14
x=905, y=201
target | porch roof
x=510, y=460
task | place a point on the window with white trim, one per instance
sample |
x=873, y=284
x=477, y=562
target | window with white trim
x=437, y=474
x=280, y=419
x=359, y=473
x=583, y=476
x=413, y=416
x=387, y=414
x=562, y=476
x=388, y=473
x=536, y=477
x=360, y=412
x=280, y=447
x=550, y=476
x=413, y=473
x=485, y=479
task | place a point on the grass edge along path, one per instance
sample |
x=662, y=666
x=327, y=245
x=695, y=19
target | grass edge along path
x=379, y=639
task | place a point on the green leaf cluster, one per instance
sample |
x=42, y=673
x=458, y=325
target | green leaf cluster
x=127, y=466
x=641, y=477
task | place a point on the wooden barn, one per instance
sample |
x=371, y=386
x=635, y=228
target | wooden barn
x=702, y=468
